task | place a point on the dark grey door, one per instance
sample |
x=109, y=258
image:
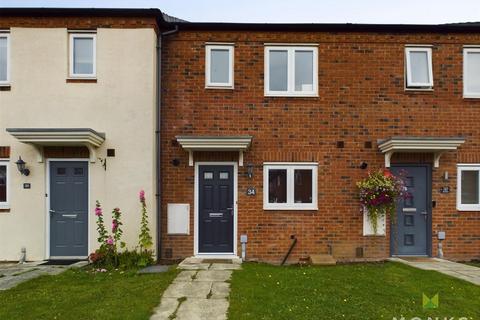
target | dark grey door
x=413, y=214
x=215, y=209
x=68, y=208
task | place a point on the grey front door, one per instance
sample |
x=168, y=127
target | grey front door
x=68, y=209
x=413, y=226
x=215, y=209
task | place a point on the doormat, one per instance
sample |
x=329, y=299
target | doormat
x=217, y=261
x=59, y=262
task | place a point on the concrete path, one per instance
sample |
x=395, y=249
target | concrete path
x=454, y=269
x=199, y=292
x=11, y=274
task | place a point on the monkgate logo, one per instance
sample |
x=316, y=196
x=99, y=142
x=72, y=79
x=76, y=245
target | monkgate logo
x=430, y=303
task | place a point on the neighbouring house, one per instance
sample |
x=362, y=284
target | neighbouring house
x=256, y=133
x=78, y=105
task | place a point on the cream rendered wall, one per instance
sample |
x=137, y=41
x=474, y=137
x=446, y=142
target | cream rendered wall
x=121, y=104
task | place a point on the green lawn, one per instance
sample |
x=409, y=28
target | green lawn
x=357, y=291
x=78, y=294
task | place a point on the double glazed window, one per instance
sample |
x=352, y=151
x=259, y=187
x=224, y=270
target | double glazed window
x=82, y=55
x=291, y=71
x=291, y=186
x=3, y=184
x=4, y=58
x=419, y=67
x=468, y=191
x=219, y=66
x=471, y=72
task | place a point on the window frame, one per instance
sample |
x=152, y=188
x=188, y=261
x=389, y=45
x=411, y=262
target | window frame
x=467, y=94
x=6, y=204
x=72, y=37
x=460, y=205
x=290, y=167
x=7, y=81
x=290, y=71
x=208, y=58
x=409, y=84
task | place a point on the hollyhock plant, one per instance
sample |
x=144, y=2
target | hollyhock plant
x=379, y=193
x=102, y=231
x=145, y=239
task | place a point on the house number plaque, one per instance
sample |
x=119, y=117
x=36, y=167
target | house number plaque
x=445, y=189
x=251, y=191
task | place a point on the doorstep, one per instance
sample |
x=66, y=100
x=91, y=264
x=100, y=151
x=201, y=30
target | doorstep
x=211, y=262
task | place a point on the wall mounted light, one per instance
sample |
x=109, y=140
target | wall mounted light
x=250, y=170
x=21, y=166
x=445, y=176
x=363, y=165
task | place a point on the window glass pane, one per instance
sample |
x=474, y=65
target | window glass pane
x=278, y=70
x=469, y=187
x=3, y=184
x=277, y=186
x=208, y=175
x=223, y=175
x=83, y=56
x=419, y=67
x=472, y=76
x=303, y=71
x=219, y=66
x=303, y=186
x=3, y=58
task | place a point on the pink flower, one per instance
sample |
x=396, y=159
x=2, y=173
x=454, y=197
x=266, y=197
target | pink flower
x=109, y=241
x=116, y=209
x=114, y=225
x=142, y=195
x=98, y=211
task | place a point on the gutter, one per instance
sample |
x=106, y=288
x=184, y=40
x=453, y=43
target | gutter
x=158, y=140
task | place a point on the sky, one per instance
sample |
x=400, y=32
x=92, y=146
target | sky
x=290, y=11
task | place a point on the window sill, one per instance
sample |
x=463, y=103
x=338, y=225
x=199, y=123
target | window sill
x=220, y=87
x=471, y=96
x=419, y=90
x=471, y=209
x=291, y=95
x=81, y=80
x=290, y=208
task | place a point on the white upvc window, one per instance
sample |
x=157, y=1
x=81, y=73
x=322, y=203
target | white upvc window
x=468, y=187
x=291, y=71
x=4, y=181
x=83, y=55
x=471, y=72
x=419, y=69
x=290, y=186
x=219, y=66
x=4, y=58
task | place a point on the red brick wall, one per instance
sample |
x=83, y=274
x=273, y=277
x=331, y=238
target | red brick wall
x=361, y=98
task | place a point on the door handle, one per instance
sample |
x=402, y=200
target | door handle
x=424, y=212
x=51, y=211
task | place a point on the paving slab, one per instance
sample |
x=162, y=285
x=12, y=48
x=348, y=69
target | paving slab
x=154, y=269
x=220, y=290
x=203, y=309
x=188, y=289
x=454, y=269
x=166, y=308
x=225, y=266
x=185, y=276
x=213, y=275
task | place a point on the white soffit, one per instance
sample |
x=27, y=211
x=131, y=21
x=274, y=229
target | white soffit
x=40, y=137
x=209, y=143
x=436, y=145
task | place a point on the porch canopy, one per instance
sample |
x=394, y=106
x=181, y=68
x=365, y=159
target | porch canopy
x=40, y=137
x=435, y=145
x=210, y=143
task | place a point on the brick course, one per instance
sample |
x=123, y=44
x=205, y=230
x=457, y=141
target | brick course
x=361, y=99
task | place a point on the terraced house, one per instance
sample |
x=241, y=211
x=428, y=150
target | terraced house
x=263, y=131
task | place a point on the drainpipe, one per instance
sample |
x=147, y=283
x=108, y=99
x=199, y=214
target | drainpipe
x=158, y=141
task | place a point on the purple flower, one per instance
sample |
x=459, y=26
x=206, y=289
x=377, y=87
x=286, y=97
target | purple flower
x=142, y=195
x=98, y=211
x=110, y=241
